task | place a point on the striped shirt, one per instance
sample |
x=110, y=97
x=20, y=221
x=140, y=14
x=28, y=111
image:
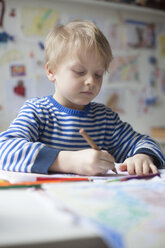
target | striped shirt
x=43, y=127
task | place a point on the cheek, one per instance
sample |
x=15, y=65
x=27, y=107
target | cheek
x=70, y=88
x=99, y=86
x=73, y=85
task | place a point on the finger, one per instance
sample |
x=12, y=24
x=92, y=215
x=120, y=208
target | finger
x=139, y=168
x=131, y=168
x=153, y=168
x=106, y=156
x=146, y=168
x=101, y=170
x=105, y=166
x=123, y=167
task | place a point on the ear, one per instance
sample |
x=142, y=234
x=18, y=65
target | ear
x=50, y=74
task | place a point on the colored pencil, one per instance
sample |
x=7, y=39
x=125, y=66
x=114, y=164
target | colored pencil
x=127, y=178
x=7, y=185
x=62, y=179
x=92, y=143
x=39, y=181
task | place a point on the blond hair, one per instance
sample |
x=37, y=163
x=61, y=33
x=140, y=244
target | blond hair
x=77, y=35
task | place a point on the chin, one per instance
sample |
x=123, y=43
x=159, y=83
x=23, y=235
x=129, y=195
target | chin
x=79, y=106
x=85, y=101
x=83, y=104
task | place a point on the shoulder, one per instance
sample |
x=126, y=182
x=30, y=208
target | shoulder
x=102, y=108
x=37, y=106
x=38, y=101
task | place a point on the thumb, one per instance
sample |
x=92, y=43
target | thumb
x=123, y=167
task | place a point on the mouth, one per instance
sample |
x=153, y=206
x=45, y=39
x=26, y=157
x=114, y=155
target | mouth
x=87, y=93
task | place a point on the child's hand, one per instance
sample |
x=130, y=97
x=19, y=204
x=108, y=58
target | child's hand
x=88, y=162
x=94, y=162
x=139, y=164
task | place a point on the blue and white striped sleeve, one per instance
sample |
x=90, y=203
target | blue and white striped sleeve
x=127, y=142
x=19, y=146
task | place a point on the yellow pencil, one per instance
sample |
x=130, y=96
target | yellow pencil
x=92, y=143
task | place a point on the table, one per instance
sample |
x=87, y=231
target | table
x=83, y=214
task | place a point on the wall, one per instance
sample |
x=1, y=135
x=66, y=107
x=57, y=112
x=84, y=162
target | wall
x=23, y=60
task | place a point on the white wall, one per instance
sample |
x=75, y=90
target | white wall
x=18, y=53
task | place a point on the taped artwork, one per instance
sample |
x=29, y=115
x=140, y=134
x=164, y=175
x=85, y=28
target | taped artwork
x=124, y=68
x=37, y=21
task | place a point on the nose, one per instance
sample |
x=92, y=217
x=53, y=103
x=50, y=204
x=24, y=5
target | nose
x=90, y=80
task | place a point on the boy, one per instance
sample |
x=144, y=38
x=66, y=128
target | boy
x=45, y=135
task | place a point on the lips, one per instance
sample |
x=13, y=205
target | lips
x=87, y=93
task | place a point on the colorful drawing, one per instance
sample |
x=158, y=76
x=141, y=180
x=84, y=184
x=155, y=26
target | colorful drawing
x=5, y=37
x=162, y=45
x=37, y=21
x=18, y=70
x=151, y=95
x=112, y=97
x=139, y=96
x=124, y=68
x=163, y=80
x=114, y=102
x=19, y=89
x=140, y=34
x=10, y=56
x=127, y=214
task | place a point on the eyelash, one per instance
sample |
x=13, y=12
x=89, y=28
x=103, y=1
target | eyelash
x=98, y=76
x=81, y=73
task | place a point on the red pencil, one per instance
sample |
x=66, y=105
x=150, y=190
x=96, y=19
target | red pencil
x=62, y=179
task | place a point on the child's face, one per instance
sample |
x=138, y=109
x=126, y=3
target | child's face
x=78, y=80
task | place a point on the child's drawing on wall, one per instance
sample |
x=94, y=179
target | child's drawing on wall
x=124, y=69
x=19, y=89
x=162, y=45
x=140, y=34
x=114, y=102
x=112, y=97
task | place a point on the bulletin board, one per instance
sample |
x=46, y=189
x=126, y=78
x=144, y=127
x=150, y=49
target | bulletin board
x=134, y=86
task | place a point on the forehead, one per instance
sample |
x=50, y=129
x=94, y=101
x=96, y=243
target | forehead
x=86, y=57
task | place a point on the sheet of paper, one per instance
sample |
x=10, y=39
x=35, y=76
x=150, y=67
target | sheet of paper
x=14, y=177
x=29, y=217
x=128, y=214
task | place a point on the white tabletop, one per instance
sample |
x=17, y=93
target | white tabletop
x=27, y=219
x=35, y=218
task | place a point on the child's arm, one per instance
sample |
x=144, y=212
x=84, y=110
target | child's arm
x=126, y=143
x=20, y=149
x=139, y=164
x=88, y=162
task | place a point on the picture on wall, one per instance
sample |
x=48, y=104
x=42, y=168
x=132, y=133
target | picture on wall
x=124, y=69
x=140, y=34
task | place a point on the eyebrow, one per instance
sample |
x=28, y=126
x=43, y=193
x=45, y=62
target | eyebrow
x=77, y=65
x=81, y=65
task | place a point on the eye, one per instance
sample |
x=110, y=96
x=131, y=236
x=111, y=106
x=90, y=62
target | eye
x=98, y=75
x=80, y=73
